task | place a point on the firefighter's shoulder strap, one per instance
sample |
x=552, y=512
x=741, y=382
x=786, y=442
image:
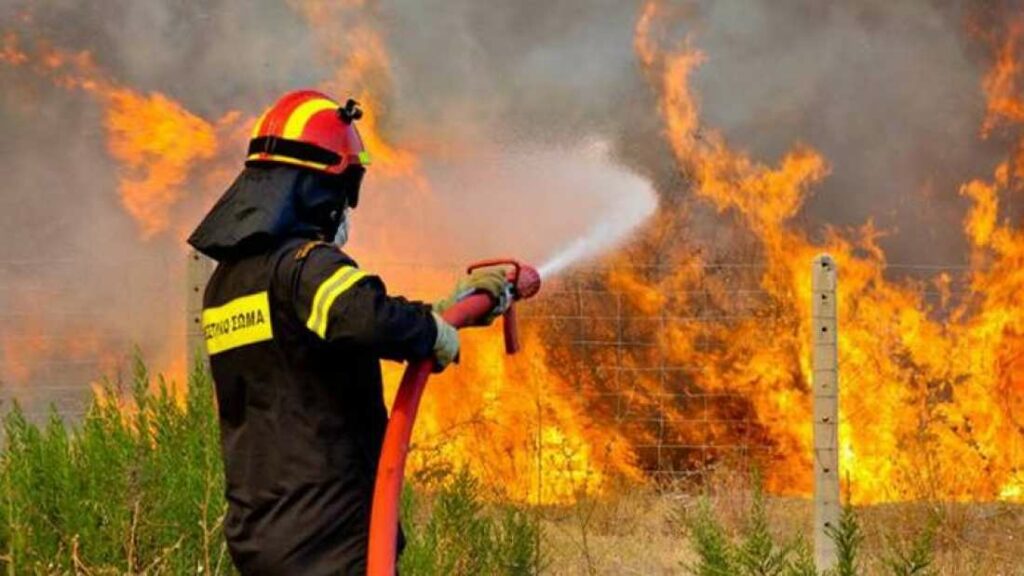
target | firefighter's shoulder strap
x=308, y=247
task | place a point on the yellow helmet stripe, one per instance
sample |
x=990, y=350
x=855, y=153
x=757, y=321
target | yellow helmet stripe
x=262, y=157
x=300, y=116
x=329, y=291
x=258, y=124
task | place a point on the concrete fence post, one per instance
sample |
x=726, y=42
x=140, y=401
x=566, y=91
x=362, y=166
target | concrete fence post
x=825, y=367
x=197, y=273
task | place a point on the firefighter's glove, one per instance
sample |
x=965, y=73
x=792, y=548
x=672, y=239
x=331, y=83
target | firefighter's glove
x=446, y=346
x=493, y=281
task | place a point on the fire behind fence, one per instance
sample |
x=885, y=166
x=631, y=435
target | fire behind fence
x=67, y=324
x=609, y=351
x=614, y=357
x=54, y=348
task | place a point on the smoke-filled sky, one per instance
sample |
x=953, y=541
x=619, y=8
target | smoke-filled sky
x=889, y=92
x=501, y=102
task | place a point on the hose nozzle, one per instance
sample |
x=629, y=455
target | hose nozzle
x=524, y=278
x=525, y=282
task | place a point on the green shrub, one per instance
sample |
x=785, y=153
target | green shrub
x=460, y=536
x=758, y=554
x=137, y=487
x=714, y=549
x=848, y=537
x=117, y=493
x=754, y=553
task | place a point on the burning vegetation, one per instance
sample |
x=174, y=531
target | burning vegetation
x=931, y=386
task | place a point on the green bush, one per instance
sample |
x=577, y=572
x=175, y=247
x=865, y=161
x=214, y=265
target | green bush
x=756, y=552
x=137, y=487
x=848, y=537
x=462, y=536
x=116, y=494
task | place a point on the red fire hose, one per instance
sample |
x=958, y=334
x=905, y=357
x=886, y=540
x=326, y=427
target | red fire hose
x=525, y=283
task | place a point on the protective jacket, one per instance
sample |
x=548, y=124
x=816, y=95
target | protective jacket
x=295, y=331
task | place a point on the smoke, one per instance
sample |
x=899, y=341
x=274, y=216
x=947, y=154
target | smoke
x=558, y=205
x=499, y=101
x=888, y=92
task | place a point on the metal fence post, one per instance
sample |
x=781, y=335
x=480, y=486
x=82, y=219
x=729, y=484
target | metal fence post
x=198, y=270
x=824, y=362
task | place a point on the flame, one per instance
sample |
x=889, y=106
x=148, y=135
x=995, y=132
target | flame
x=157, y=143
x=518, y=424
x=34, y=350
x=1001, y=82
x=540, y=445
x=158, y=147
x=930, y=404
x=932, y=392
x=10, y=53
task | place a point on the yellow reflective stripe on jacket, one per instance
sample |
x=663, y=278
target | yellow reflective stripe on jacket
x=327, y=293
x=240, y=322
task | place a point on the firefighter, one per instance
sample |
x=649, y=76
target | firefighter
x=295, y=331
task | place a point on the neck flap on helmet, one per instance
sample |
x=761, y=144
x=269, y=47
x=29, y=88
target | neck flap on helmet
x=265, y=205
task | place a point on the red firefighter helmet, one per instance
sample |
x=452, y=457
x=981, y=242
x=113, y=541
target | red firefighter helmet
x=307, y=128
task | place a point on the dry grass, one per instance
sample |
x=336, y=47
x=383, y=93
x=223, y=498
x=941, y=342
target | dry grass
x=635, y=533
x=983, y=539
x=642, y=531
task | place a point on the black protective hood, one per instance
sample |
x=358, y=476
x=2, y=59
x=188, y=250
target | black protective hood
x=264, y=206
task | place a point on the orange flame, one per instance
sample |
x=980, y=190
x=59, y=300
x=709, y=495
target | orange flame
x=930, y=406
x=10, y=53
x=156, y=141
x=1001, y=83
x=932, y=393
x=30, y=349
x=539, y=445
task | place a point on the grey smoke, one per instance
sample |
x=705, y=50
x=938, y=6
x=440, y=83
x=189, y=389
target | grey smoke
x=887, y=91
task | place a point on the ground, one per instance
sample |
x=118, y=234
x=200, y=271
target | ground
x=644, y=533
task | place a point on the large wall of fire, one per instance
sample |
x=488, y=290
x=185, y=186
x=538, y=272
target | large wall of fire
x=888, y=134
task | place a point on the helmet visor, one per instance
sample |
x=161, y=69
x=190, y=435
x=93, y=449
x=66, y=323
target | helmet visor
x=347, y=184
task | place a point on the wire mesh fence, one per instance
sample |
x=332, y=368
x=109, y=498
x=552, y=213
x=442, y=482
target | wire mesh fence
x=54, y=347
x=660, y=366
x=67, y=325
x=618, y=350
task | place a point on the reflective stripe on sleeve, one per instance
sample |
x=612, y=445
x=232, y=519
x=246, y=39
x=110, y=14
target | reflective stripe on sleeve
x=327, y=293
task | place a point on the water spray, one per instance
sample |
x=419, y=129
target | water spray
x=577, y=250
x=525, y=283
x=597, y=240
x=633, y=204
